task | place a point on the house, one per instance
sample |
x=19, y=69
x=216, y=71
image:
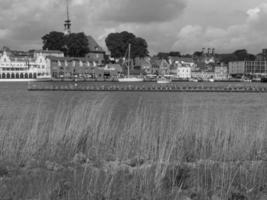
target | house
x=96, y=52
x=110, y=71
x=23, y=67
x=182, y=61
x=202, y=75
x=47, y=53
x=66, y=67
x=236, y=68
x=221, y=72
x=160, y=66
x=144, y=63
x=184, y=72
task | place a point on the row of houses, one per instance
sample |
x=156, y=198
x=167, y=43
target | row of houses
x=53, y=64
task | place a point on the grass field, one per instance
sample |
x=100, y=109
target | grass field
x=86, y=145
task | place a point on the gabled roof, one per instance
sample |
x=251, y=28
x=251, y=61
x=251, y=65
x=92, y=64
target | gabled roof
x=182, y=59
x=48, y=51
x=155, y=61
x=69, y=59
x=93, y=45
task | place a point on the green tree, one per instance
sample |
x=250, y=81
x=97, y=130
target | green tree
x=74, y=45
x=163, y=55
x=54, y=41
x=117, y=44
x=242, y=54
x=175, y=54
x=139, y=48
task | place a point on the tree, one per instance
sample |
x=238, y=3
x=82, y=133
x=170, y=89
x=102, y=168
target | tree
x=139, y=48
x=175, y=54
x=198, y=54
x=54, y=41
x=163, y=55
x=242, y=54
x=74, y=45
x=117, y=44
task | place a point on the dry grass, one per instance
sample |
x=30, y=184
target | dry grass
x=182, y=145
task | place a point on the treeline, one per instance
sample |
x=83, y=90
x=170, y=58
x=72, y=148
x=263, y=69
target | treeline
x=74, y=44
x=238, y=55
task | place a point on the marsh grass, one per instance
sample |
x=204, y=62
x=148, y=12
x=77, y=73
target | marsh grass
x=180, y=148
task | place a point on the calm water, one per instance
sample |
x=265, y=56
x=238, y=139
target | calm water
x=16, y=103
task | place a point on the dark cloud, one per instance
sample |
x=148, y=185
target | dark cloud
x=142, y=11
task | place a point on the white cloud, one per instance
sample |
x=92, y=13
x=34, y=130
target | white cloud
x=183, y=25
x=250, y=34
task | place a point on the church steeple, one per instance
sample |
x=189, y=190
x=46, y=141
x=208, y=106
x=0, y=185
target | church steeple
x=67, y=25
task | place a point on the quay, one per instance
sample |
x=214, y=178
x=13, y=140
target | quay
x=147, y=88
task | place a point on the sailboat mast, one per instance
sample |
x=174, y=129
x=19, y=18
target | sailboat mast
x=129, y=60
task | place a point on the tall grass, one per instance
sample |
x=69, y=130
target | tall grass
x=184, y=144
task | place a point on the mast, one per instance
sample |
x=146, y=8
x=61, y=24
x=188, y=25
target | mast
x=67, y=25
x=129, y=60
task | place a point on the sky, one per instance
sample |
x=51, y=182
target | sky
x=166, y=25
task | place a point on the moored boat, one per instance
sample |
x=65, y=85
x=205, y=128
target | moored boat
x=163, y=80
x=130, y=78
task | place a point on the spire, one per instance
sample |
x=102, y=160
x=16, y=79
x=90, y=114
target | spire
x=67, y=24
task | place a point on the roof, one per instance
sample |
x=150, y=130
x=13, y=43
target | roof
x=155, y=61
x=48, y=51
x=69, y=59
x=182, y=59
x=93, y=45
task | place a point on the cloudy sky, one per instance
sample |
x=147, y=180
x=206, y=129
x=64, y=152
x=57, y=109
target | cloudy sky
x=167, y=25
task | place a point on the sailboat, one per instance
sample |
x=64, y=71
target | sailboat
x=129, y=78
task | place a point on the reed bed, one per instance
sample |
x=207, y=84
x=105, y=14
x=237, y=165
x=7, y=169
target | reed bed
x=133, y=146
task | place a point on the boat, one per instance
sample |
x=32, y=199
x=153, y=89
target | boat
x=43, y=78
x=130, y=78
x=163, y=80
x=211, y=80
x=193, y=80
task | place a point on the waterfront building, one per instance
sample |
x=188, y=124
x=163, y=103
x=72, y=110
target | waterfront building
x=221, y=72
x=66, y=67
x=184, y=72
x=256, y=68
x=160, y=66
x=236, y=67
x=144, y=64
x=182, y=61
x=48, y=53
x=202, y=75
x=20, y=67
x=248, y=68
x=82, y=68
x=96, y=52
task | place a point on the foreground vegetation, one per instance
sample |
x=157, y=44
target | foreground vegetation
x=133, y=146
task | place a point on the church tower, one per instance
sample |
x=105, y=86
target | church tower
x=67, y=25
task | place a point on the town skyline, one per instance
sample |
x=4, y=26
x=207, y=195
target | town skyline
x=172, y=25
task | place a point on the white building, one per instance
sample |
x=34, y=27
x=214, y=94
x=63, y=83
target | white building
x=12, y=67
x=184, y=72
